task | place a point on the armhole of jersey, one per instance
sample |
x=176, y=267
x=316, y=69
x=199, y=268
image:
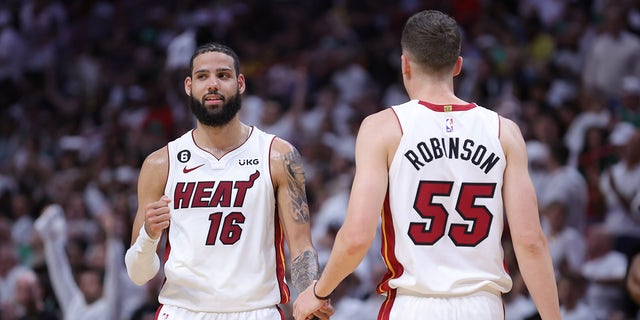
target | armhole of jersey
x=273, y=139
x=392, y=166
x=398, y=119
x=499, y=125
x=168, y=181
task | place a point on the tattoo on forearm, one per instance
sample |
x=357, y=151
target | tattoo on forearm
x=304, y=269
x=295, y=186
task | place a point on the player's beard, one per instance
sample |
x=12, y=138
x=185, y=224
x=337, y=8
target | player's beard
x=216, y=118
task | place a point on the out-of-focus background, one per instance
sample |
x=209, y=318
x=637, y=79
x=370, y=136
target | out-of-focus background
x=89, y=88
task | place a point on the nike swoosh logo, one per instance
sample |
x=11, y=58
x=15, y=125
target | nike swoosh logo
x=187, y=170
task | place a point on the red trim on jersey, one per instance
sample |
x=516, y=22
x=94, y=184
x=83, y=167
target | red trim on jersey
x=447, y=107
x=398, y=119
x=226, y=153
x=394, y=268
x=385, y=308
x=280, y=260
x=167, y=250
x=279, y=244
x=269, y=157
x=166, y=180
x=158, y=312
x=281, y=312
x=167, y=247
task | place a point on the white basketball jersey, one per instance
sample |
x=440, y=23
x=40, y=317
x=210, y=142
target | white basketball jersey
x=442, y=220
x=225, y=243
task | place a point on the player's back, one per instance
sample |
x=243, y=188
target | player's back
x=443, y=215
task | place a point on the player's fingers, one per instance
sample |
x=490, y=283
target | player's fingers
x=319, y=316
x=325, y=312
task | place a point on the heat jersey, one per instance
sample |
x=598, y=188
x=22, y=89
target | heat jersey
x=225, y=249
x=442, y=219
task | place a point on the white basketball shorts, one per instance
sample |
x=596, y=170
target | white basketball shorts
x=477, y=306
x=175, y=313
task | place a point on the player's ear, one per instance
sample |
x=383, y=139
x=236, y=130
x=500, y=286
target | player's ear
x=405, y=66
x=457, y=68
x=242, y=85
x=187, y=86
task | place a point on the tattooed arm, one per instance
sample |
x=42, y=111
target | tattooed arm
x=288, y=175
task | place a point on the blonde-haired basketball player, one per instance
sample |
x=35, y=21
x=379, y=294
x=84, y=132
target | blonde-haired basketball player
x=442, y=171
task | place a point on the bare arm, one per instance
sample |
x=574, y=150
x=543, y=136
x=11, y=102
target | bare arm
x=151, y=183
x=529, y=242
x=288, y=175
x=363, y=214
x=153, y=213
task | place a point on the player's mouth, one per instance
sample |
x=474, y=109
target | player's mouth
x=213, y=99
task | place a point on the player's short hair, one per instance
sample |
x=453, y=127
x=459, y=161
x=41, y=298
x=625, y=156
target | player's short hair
x=215, y=47
x=432, y=39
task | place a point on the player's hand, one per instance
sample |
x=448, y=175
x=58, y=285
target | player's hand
x=156, y=217
x=307, y=306
x=325, y=311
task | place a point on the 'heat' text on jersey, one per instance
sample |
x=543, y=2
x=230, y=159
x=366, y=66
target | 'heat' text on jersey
x=211, y=194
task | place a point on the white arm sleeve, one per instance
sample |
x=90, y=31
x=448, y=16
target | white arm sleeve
x=141, y=259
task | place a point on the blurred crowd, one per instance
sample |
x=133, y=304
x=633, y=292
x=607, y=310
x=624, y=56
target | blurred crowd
x=89, y=88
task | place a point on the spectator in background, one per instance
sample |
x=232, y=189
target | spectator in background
x=605, y=270
x=538, y=156
x=566, y=185
x=566, y=242
x=12, y=47
x=614, y=54
x=93, y=293
x=620, y=185
x=593, y=113
x=28, y=302
x=10, y=269
x=629, y=108
x=596, y=156
x=572, y=287
x=22, y=231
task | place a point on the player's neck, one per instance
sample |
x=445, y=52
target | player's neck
x=435, y=91
x=220, y=140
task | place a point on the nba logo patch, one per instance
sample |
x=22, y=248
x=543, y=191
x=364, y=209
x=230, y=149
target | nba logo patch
x=448, y=124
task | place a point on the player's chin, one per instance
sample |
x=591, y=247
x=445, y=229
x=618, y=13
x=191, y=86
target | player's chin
x=213, y=105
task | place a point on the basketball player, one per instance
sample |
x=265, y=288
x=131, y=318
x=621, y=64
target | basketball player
x=227, y=196
x=441, y=171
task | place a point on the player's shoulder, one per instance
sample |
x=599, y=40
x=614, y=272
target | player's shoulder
x=284, y=160
x=281, y=146
x=508, y=128
x=157, y=159
x=283, y=153
x=381, y=119
x=511, y=137
x=380, y=126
